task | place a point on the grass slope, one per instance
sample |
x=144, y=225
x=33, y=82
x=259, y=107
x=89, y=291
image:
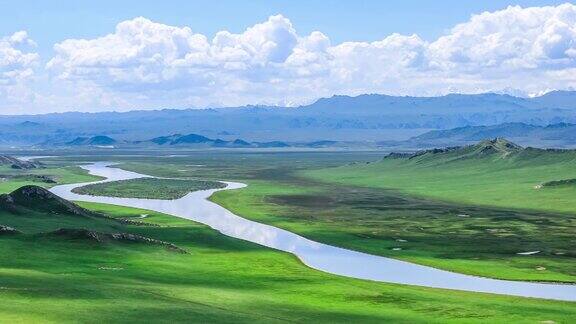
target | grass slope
x=52, y=280
x=497, y=176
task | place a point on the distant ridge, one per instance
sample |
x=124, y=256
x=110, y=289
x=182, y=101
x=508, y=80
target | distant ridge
x=369, y=117
x=203, y=141
x=557, y=134
x=100, y=140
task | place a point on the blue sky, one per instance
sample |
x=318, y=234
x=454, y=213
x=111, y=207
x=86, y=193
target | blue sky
x=396, y=47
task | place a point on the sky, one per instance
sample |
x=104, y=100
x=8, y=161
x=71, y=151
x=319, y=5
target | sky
x=122, y=55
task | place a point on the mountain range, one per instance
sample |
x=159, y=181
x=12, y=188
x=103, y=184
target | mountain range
x=553, y=135
x=188, y=141
x=340, y=118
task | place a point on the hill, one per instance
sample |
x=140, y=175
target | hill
x=16, y=163
x=39, y=199
x=93, y=141
x=498, y=148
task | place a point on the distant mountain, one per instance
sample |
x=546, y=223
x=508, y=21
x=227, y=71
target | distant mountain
x=272, y=144
x=340, y=118
x=319, y=144
x=555, y=99
x=190, y=139
x=28, y=124
x=554, y=135
x=93, y=141
x=196, y=140
x=179, y=139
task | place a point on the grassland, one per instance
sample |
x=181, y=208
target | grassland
x=61, y=174
x=512, y=182
x=298, y=193
x=474, y=240
x=55, y=280
x=223, y=280
x=148, y=188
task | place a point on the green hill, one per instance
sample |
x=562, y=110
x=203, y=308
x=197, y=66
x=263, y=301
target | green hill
x=492, y=172
x=35, y=210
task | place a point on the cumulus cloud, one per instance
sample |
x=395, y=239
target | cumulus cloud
x=148, y=63
x=15, y=62
x=514, y=38
x=16, y=68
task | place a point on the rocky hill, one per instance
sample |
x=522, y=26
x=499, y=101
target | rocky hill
x=40, y=199
x=16, y=163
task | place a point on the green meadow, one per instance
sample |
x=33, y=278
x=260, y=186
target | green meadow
x=53, y=278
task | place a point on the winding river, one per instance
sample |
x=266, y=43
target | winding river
x=196, y=206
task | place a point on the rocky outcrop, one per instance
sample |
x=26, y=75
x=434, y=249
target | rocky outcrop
x=99, y=237
x=7, y=230
x=15, y=163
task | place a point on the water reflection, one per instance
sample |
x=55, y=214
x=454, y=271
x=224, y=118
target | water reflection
x=195, y=206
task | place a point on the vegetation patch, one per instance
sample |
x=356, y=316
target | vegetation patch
x=148, y=188
x=559, y=183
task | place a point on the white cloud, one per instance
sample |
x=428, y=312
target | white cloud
x=511, y=39
x=150, y=64
x=17, y=64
